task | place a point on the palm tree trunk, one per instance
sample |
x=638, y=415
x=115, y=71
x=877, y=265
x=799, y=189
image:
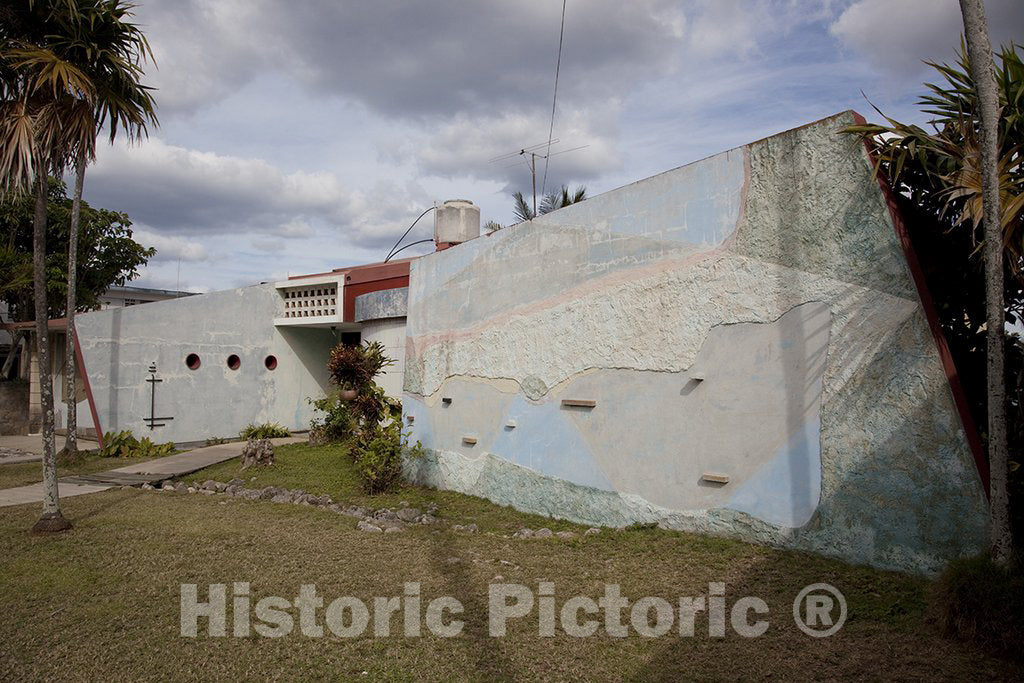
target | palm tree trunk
x=71, y=439
x=979, y=52
x=51, y=519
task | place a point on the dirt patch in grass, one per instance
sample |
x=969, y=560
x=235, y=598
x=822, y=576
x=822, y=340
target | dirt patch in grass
x=103, y=601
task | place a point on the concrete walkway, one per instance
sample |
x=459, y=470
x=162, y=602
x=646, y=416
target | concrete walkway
x=29, y=448
x=152, y=471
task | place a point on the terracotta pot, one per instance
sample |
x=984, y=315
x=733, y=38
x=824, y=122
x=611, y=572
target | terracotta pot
x=347, y=394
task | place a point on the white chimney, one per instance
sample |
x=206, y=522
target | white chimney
x=456, y=221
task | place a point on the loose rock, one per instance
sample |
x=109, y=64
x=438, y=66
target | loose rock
x=543, y=533
x=257, y=452
x=409, y=514
x=363, y=525
x=592, y=531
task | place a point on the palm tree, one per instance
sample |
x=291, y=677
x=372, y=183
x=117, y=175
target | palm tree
x=34, y=84
x=983, y=72
x=110, y=50
x=66, y=68
x=551, y=202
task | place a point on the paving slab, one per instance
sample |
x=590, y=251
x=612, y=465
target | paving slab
x=150, y=472
x=29, y=447
x=33, y=493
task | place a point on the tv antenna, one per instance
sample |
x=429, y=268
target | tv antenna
x=532, y=153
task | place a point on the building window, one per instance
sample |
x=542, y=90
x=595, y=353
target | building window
x=270, y=362
x=192, y=361
x=234, y=362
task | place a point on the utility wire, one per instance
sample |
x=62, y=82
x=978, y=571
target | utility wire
x=411, y=244
x=393, y=252
x=554, y=99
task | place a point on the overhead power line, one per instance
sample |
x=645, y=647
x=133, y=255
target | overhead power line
x=554, y=100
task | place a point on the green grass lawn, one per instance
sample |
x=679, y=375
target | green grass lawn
x=102, y=601
x=328, y=469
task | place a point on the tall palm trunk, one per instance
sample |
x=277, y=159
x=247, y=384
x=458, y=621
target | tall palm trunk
x=52, y=519
x=979, y=51
x=71, y=439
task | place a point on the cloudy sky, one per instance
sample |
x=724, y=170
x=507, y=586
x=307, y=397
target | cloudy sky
x=298, y=136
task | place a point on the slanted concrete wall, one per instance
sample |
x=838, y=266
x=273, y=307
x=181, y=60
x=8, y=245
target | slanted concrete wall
x=750, y=315
x=118, y=345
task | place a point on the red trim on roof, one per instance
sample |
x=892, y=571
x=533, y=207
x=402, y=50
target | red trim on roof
x=959, y=397
x=367, y=271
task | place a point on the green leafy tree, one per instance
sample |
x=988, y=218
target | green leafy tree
x=107, y=254
x=957, y=212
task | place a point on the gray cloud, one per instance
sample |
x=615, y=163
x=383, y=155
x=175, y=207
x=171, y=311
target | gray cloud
x=174, y=190
x=895, y=37
x=412, y=59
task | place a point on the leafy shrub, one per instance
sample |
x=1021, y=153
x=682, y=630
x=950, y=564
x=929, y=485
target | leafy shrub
x=267, y=430
x=337, y=422
x=354, y=367
x=372, y=405
x=123, y=444
x=980, y=602
x=378, y=456
x=215, y=441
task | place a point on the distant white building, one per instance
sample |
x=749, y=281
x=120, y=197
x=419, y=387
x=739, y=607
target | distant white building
x=115, y=297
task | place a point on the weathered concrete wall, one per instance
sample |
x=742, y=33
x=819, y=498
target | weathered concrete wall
x=391, y=334
x=382, y=314
x=751, y=314
x=13, y=408
x=385, y=303
x=119, y=344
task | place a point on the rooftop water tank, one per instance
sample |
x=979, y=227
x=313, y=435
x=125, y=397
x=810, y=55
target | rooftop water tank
x=456, y=221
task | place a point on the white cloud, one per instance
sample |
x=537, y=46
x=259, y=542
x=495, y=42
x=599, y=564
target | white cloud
x=171, y=247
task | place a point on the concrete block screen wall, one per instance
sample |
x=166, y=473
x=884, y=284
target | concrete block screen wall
x=736, y=346
x=222, y=362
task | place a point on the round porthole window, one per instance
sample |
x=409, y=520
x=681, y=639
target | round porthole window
x=270, y=362
x=234, y=362
x=192, y=361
